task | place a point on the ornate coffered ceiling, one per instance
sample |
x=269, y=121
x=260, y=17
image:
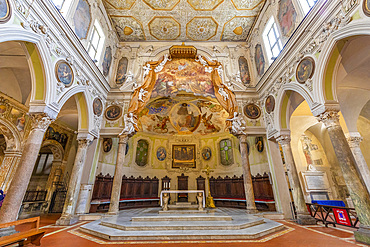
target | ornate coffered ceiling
x=183, y=20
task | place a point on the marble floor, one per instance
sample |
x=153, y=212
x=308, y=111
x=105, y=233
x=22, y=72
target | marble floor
x=294, y=235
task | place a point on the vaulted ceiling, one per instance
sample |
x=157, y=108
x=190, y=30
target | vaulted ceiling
x=183, y=20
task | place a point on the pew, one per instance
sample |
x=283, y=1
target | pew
x=32, y=235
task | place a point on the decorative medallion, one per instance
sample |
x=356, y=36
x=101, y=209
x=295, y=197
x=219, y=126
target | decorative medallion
x=252, y=111
x=305, y=69
x=207, y=153
x=259, y=58
x=287, y=17
x=82, y=19
x=5, y=11
x=270, y=104
x=237, y=28
x=64, y=73
x=162, y=5
x=259, y=144
x=121, y=71
x=201, y=28
x=366, y=7
x=161, y=154
x=107, y=60
x=113, y=112
x=204, y=5
x=164, y=28
x=185, y=117
x=128, y=28
x=244, y=71
x=121, y=5
x=247, y=4
x=97, y=107
x=107, y=144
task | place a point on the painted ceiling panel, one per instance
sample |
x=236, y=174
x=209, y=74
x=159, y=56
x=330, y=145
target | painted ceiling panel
x=183, y=20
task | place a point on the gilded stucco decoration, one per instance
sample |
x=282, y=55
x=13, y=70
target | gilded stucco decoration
x=222, y=19
x=237, y=28
x=128, y=28
x=164, y=28
x=121, y=4
x=161, y=4
x=201, y=28
x=204, y=4
x=247, y=4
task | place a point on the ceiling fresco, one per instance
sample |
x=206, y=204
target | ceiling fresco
x=183, y=20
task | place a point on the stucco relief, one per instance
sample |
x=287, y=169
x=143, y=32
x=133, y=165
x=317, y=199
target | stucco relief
x=164, y=28
x=201, y=28
x=128, y=28
x=247, y=4
x=237, y=28
x=204, y=4
x=121, y=4
x=162, y=4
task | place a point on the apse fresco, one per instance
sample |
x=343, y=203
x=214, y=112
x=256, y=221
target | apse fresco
x=182, y=75
x=185, y=114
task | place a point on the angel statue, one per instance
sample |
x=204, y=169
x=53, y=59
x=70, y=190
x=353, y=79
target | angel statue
x=142, y=94
x=129, y=124
x=238, y=123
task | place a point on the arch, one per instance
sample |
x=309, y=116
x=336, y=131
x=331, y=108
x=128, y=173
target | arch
x=56, y=148
x=12, y=137
x=84, y=106
x=38, y=60
x=324, y=90
x=282, y=114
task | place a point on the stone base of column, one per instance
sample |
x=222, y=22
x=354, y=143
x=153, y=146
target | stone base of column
x=67, y=220
x=252, y=211
x=305, y=219
x=112, y=213
x=363, y=234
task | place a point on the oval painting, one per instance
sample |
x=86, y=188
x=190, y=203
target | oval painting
x=366, y=7
x=97, y=107
x=270, y=104
x=113, y=112
x=206, y=153
x=259, y=144
x=121, y=71
x=64, y=73
x=185, y=117
x=4, y=10
x=161, y=153
x=252, y=111
x=305, y=69
x=107, y=60
x=107, y=144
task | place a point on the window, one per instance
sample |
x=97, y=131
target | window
x=271, y=38
x=44, y=163
x=307, y=5
x=96, y=42
x=63, y=6
x=226, y=152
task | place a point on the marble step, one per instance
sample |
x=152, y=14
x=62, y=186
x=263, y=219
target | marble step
x=183, y=203
x=187, y=206
x=253, y=232
x=183, y=211
x=182, y=217
x=183, y=225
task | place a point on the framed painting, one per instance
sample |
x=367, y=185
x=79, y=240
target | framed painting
x=121, y=71
x=64, y=73
x=252, y=111
x=270, y=104
x=366, y=7
x=113, y=112
x=107, y=144
x=260, y=60
x=244, y=71
x=207, y=153
x=97, y=107
x=183, y=156
x=5, y=11
x=287, y=16
x=142, y=153
x=107, y=61
x=82, y=19
x=305, y=69
x=161, y=154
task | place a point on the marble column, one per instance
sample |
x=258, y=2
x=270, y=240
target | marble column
x=18, y=186
x=362, y=168
x=248, y=185
x=118, y=173
x=68, y=216
x=347, y=163
x=303, y=217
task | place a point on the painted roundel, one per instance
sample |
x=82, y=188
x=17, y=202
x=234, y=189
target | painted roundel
x=305, y=70
x=270, y=104
x=97, y=107
x=64, y=73
x=5, y=10
x=252, y=111
x=366, y=7
x=113, y=112
x=161, y=154
x=206, y=153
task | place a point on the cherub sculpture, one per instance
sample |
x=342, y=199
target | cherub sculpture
x=130, y=124
x=238, y=123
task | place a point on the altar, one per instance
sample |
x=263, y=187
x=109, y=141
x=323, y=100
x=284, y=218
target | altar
x=164, y=197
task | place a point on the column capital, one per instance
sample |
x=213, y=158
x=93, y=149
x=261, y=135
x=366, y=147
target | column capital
x=354, y=141
x=242, y=138
x=330, y=118
x=284, y=140
x=123, y=138
x=40, y=121
x=84, y=143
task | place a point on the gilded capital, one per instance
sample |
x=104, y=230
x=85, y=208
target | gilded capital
x=354, y=141
x=283, y=140
x=330, y=118
x=242, y=138
x=123, y=138
x=40, y=121
x=83, y=143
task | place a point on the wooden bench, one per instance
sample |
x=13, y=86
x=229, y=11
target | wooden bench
x=32, y=235
x=103, y=205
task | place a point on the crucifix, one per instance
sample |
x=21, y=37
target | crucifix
x=209, y=203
